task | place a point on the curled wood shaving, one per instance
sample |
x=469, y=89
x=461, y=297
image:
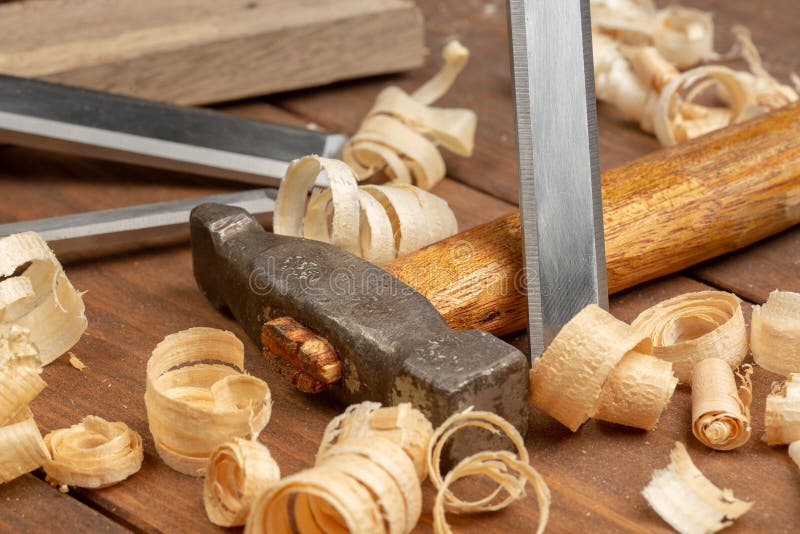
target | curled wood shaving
x=41, y=298
x=238, y=471
x=782, y=412
x=629, y=21
x=510, y=471
x=694, y=326
x=193, y=406
x=775, y=333
x=684, y=36
x=75, y=362
x=637, y=391
x=794, y=452
x=687, y=500
x=403, y=425
x=617, y=83
x=22, y=448
x=720, y=410
x=598, y=366
x=400, y=133
x=638, y=52
x=20, y=370
x=676, y=118
x=20, y=383
x=362, y=485
x=505, y=469
x=377, y=223
x=769, y=92
x=93, y=454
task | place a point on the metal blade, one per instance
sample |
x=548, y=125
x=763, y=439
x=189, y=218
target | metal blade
x=97, y=232
x=90, y=123
x=560, y=204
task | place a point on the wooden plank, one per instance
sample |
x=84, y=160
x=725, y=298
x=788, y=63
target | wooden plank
x=131, y=304
x=133, y=300
x=136, y=299
x=485, y=84
x=755, y=271
x=28, y=504
x=201, y=51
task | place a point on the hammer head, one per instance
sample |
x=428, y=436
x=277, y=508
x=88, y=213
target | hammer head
x=393, y=344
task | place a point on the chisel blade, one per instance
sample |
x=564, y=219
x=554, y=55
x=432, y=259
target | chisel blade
x=94, y=233
x=560, y=203
x=90, y=123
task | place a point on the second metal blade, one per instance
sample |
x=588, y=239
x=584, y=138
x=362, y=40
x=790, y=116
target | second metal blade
x=558, y=163
x=90, y=123
x=92, y=233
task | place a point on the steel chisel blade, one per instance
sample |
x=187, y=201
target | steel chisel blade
x=90, y=123
x=560, y=202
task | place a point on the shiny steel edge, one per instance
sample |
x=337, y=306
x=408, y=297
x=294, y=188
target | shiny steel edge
x=86, y=233
x=560, y=197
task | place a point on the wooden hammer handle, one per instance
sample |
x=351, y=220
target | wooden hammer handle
x=662, y=213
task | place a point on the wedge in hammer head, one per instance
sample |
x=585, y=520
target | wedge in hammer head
x=393, y=345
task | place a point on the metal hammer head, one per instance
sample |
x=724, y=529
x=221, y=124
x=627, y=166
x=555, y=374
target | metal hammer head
x=393, y=344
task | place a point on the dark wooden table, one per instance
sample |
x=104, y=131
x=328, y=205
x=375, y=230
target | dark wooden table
x=134, y=300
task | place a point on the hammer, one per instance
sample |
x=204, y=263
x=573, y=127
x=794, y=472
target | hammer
x=314, y=306
x=392, y=343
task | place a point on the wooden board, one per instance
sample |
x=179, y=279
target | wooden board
x=28, y=504
x=596, y=475
x=202, y=51
x=485, y=85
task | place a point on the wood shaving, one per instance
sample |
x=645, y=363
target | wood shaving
x=22, y=448
x=694, y=326
x=720, y=410
x=238, y=471
x=629, y=35
x=684, y=36
x=75, y=362
x=400, y=134
x=377, y=223
x=598, y=366
x=794, y=452
x=775, y=333
x=510, y=471
x=40, y=298
x=194, y=406
x=637, y=391
x=782, y=412
x=20, y=383
x=362, y=485
x=769, y=92
x=402, y=424
x=688, y=501
x=93, y=454
x=501, y=467
x=677, y=119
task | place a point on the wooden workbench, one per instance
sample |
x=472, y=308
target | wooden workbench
x=134, y=300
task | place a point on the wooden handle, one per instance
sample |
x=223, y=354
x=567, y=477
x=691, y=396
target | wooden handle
x=662, y=213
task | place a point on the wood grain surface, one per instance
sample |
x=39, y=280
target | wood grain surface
x=135, y=299
x=204, y=51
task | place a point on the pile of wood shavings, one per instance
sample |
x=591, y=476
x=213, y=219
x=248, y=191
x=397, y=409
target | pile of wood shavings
x=366, y=478
x=399, y=140
x=652, y=64
x=401, y=133
x=375, y=222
